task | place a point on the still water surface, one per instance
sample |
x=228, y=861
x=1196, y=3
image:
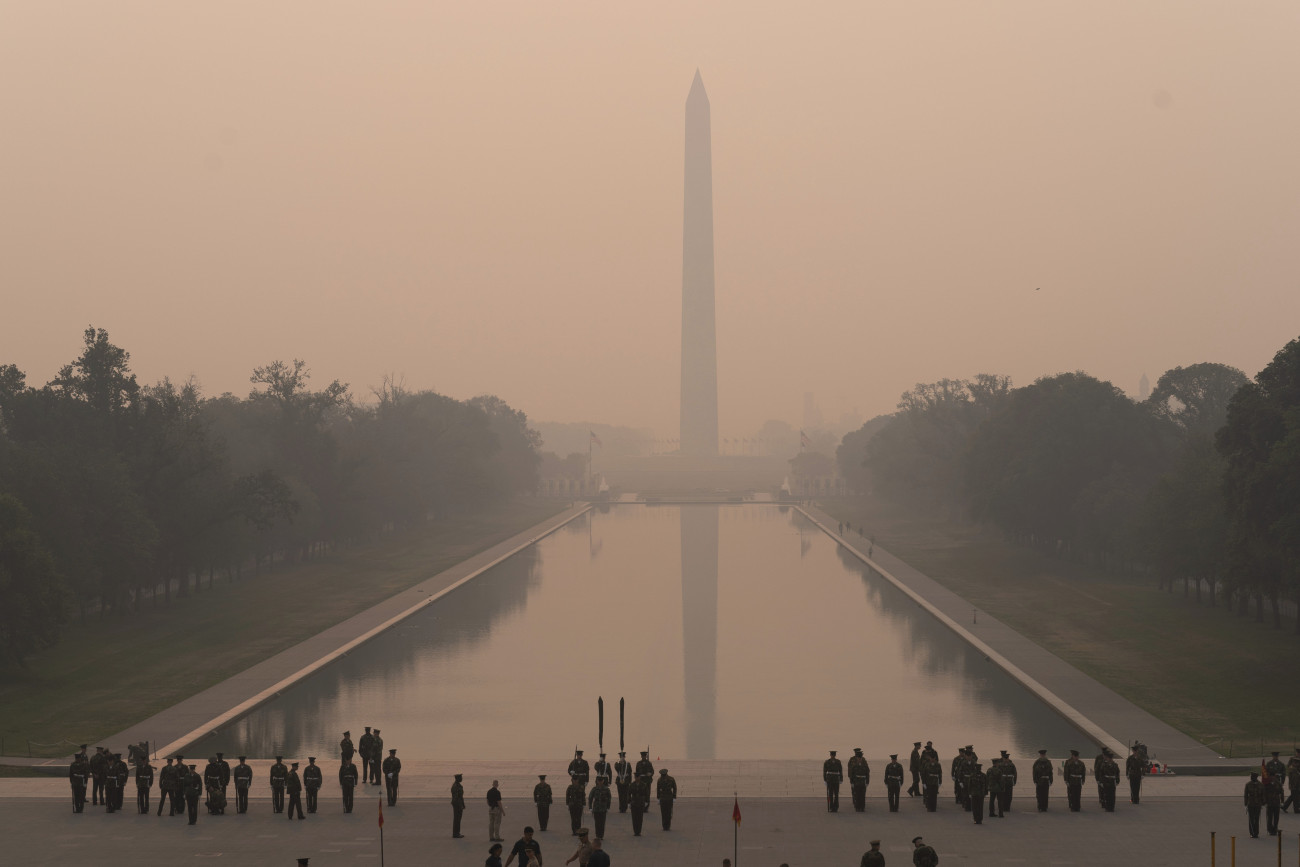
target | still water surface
x=733, y=632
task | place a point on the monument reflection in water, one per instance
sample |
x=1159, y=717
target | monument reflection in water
x=734, y=632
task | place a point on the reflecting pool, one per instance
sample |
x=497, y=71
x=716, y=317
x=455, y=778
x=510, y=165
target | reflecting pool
x=732, y=631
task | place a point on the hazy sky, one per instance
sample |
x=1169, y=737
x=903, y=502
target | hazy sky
x=486, y=197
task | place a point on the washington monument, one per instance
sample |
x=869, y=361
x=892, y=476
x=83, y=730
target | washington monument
x=699, y=419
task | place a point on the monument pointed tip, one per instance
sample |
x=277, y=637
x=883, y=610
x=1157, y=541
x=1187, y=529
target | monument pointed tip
x=697, y=86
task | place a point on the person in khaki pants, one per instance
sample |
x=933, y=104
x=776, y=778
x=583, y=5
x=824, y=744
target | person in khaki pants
x=495, y=811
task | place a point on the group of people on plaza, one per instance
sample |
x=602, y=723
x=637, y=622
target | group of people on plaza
x=1264, y=793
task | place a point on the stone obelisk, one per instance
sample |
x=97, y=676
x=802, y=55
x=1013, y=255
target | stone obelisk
x=699, y=418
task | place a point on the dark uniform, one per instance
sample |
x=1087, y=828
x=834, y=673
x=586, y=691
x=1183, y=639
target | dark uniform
x=1254, y=800
x=542, y=797
x=1074, y=772
x=225, y=771
x=640, y=796
x=118, y=776
x=293, y=786
x=894, y=780
x=212, y=782
x=1135, y=770
x=873, y=857
x=1109, y=782
x=1293, y=782
x=958, y=773
x=1010, y=776
x=575, y=798
x=645, y=770
x=346, y=748
x=1096, y=774
x=278, y=775
x=348, y=783
x=363, y=747
x=666, y=793
x=923, y=855
x=457, y=805
x=977, y=786
x=78, y=776
x=859, y=778
x=312, y=779
x=602, y=768
x=997, y=782
x=178, y=793
x=579, y=771
x=832, y=774
x=1273, y=793
x=192, y=785
x=622, y=780
x=392, y=774
x=243, y=777
x=376, y=756
x=1043, y=775
x=98, y=770
x=143, y=783
x=914, y=766
x=599, y=803
x=931, y=779
x=167, y=788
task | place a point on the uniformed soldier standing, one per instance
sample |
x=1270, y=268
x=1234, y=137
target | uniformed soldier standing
x=1074, y=772
x=859, y=777
x=346, y=749
x=167, y=788
x=622, y=780
x=923, y=855
x=348, y=783
x=143, y=783
x=120, y=774
x=640, y=796
x=832, y=774
x=98, y=769
x=997, y=781
x=376, y=756
x=645, y=770
x=977, y=786
x=457, y=805
x=363, y=747
x=575, y=798
x=78, y=775
x=312, y=778
x=602, y=769
x=1043, y=774
x=224, y=766
x=1109, y=782
x=579, y=771
x=873, y=857
x=243, y=776
x=392, y=771
x=180, y=791
x=666, y=793
x=1097, y=764
x=293, y=785
x=914, y=765
x=1254, y=800
x=193, y=787
x=1135, y=770
x=279, y=773
x=894, y=780
x=599, y=803
x=958, y=773
x=1010, y=776
x=212, y=781
x=1273, y=793
x=931, y=779
x=542, y=797
x=1293, y=782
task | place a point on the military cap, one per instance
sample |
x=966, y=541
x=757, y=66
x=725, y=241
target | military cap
x=367, y=728
x=1074, y=752
x=875, y=842
x=1275, y=752
x=577, y=752
x=1042, y=752
x=916, y=840
x=293, y=764
x=539, y=776
x=916, y=743
x=462, y=776
x=1254, y=775
x=242, y=758
x=1105, y=751
x=347, y=734
x=1004, y=753
x=279, y=758
x=929, y=743
x=663, y=771
x=645, y=752
x=83, y=746
x=857, y=749
x=302, y=862
x=832, y=752
x=996, y=759
x=192, y=767
x=893, y=755
x=583, y=832
x=221, y=755
x=602, y=755
x=621, y=753
x=311, y=758
x=376, y=731
x=392, y=752
x=970, y=746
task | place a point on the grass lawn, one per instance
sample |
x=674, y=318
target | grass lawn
x=1221, y=678
x=109, y=674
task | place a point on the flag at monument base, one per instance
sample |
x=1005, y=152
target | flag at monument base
x=735, y=812
x=595, y=439
x=804, y=442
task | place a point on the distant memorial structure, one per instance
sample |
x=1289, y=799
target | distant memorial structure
x=699, y=416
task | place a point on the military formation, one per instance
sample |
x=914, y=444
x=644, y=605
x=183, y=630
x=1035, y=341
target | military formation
x=635, y=786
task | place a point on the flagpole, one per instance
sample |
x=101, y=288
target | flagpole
x=735, y=842
x=381, y=832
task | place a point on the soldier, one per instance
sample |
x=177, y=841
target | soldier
x=118, y=774
x=914, y=766
x=1109, y=782
x=392, y=773
x=143, y=783
x=293, y=785
x=376, y=756
x=1009, y=779
x=192, y=785
x=894, y=780
x=1254, y=800
x=622, y=780
x=1097, y=765
x=312, y=778
x=873, y=857
x=78, y=775
x=98, y=769
x=1293, y=782
x=579, y=770
x=832, y=773
x=645, y=770
x=997, y=781
x=457, y=806
x=930, y=751
x=977, y=786
x=348, y=782
x=958, y=773
x=859, y=777
x=666, y=793
x=225, y=771
x=495, y=811
x=277, y=777
x=923, y=855
x=931, y=779
x=1273, y=793
x=542, y=797
x=1135, y=770
x=599, y=803
x=575, y=798
x=603, y=769
x=180, y=794
x=211, y=781
x=1074, y=772
x=243, y=776
x=346, y=748
x=1043, y=775
x=363, y=747
x=166, y=778
x=640, y=795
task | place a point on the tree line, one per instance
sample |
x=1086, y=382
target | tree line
x=1199, y=483
x=114, y=494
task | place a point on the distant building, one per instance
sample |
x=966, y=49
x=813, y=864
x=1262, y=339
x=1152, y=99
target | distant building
x=1144, y=388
